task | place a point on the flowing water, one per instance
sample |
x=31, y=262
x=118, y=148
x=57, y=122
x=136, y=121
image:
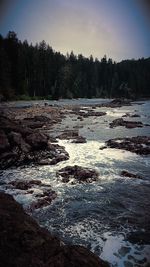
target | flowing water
x=99, y=215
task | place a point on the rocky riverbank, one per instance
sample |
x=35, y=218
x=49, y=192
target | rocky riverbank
x=24, y=139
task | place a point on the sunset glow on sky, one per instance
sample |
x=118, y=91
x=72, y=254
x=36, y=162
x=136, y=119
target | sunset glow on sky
x=118, y=28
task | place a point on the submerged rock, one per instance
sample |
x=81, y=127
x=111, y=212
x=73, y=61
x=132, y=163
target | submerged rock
x=139, y=144
x=130, y=175
x=94, y=114
x=135, y=116
x=88, y=113
x=24, y=243
x=24, y=185
x=80, y=174
x=44, y=199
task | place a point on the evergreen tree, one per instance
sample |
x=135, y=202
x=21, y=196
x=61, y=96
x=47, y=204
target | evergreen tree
x=39, y=71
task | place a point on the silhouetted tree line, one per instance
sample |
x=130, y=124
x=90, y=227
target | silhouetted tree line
x=28, y=71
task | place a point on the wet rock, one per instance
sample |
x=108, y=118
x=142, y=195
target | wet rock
x=23, y=243
x=8, y=125
x=139, y=237
x=88, y=113
x=130, y=175
x=79, y=173
x=94, y=113
x=119, y=102
x=126, y=115
x=24, y=185
x=103, y=147
x=59, y=158
x=17, y=139
x=40, y=203
x=69, y=134
x=80, y=118
x=52, y=139
x=37, y=140
x=4, y=143
x=139, y=144
x=79, y=140
x=127, y=124
x=131, y=115
x=135, y=116
x=36, y=122
x=44, y=199
x=116, y=103
x=9, y=159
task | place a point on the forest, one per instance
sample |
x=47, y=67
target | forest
x=39, y=72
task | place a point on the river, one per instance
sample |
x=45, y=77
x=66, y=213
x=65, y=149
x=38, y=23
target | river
x=102, y=214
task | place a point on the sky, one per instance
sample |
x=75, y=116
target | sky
x=118, y=28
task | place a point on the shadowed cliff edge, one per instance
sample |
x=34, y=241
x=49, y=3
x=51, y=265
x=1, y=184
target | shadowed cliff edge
x=24, y=243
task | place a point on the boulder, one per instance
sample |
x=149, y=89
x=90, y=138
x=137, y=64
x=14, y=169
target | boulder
x=80, y=174
x=139, y=144
x=127, y=124
x=69, y=134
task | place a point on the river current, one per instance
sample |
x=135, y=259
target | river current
x=99, y=215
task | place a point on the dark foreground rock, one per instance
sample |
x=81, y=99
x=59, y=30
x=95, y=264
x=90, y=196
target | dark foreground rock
x=127, y=124
x=23, y=243
x=80, y=174
x=139, y=144
x=21, y=145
